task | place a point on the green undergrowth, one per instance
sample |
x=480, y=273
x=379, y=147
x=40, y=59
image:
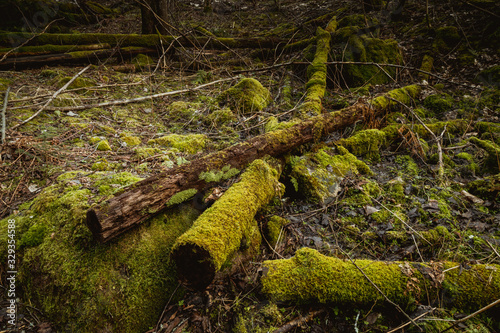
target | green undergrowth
x=83, y=286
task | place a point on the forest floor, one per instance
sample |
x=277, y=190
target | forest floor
x=461, y=106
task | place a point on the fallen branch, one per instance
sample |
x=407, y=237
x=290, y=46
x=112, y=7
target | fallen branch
x=150, y=196
x=51, y=99
x=310, y=277
x=299, y=321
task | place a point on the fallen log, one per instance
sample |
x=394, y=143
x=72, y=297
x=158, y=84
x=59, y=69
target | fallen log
x=148, y=41
x=150, y=196
x=92, y=56
x=225, y=227
x=310, y=277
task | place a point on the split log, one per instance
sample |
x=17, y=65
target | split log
x=150, y=196
x=313, y=277
x=227, y=226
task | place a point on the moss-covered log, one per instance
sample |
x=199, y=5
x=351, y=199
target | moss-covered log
x=161, y=191
x=123, y=40
x=18, y=61
x=225, y=227
x=313, y=277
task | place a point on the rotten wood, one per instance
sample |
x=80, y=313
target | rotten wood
x=135, y=204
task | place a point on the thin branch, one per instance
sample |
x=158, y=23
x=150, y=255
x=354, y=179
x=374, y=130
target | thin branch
x=4, y=126
x=409, y=322
x=472, y=315
x=299, y=321
x=139, y=99
x=51, y=98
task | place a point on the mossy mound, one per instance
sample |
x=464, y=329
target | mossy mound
x=361, y=48
x=180, y=110
x=80, y=285
x=446, y=38
x=439, y=103
x=365, y=143
x=318, y=175
x=248, y=96
x=191, y=143
x=79, y=82
x=131, y=140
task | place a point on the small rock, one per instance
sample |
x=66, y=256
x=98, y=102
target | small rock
x=370, y=210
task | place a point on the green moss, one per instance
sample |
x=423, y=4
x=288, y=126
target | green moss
x=142, y=60
x=275, y=230
x=81, y=285
x=405, y=95
x=247, y=96
x=273, y=124
x=180, y=197
x=318, y=175
x=490, y=76
x=143, y=153
x=218, y=175
x=181, y=110
x=439, y=103
x=79, y=82
x=427, y=64
x=408, y=168
x=131, y=140
x=471, y=165
x=103, y=145
x=219, y=230
x=365, y=143
x=191, y=143
x=446, y=38
x=491, y=164
x=101, y=166
x=95, y=139
x=221, y=116
x=486, y=188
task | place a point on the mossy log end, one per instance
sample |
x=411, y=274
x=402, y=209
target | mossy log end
x=150, y=196
x=225, y=227
x=313, y=277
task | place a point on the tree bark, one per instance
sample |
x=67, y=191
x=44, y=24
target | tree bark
x=311, y=277
x=149, y=196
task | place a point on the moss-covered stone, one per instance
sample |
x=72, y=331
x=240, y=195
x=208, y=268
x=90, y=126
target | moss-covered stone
x=361, y=48
x=365, y=143
x=490, y=76
x=191, y=143
x=439, y=103
x=247, y=96
x=82, y=286
x=318, y=175
x=131, y=140
x=142, y=60
x=103, y=145
x=446, y=38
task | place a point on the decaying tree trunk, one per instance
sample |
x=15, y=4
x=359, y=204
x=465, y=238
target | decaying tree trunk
x=95, y=56
x=313, y=277
x=149, y=196
x=227, y=226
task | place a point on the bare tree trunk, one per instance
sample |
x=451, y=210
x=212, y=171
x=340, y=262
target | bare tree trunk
x=155, y=15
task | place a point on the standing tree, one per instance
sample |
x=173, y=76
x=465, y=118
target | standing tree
x=155, y=14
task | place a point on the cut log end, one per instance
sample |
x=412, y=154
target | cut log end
x=194, y=266
x=93, y=224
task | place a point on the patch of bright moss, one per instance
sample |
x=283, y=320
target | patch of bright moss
x=439, y=103
x=274, y=229
x=103, y=145
x=180, y=197
x=218, y=175
x=247, y=96
x=365, y=143
x=131, y=140
x=191, y=143
x=221, y=116
x=79, y=82
x=180, y=110
x=142, y=60
x=408, y=167
x=143, y=153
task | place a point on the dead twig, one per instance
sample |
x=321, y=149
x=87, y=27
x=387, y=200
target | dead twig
x=51, y=99
x=298, y=321
x=409, y=322
x=472, y=315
